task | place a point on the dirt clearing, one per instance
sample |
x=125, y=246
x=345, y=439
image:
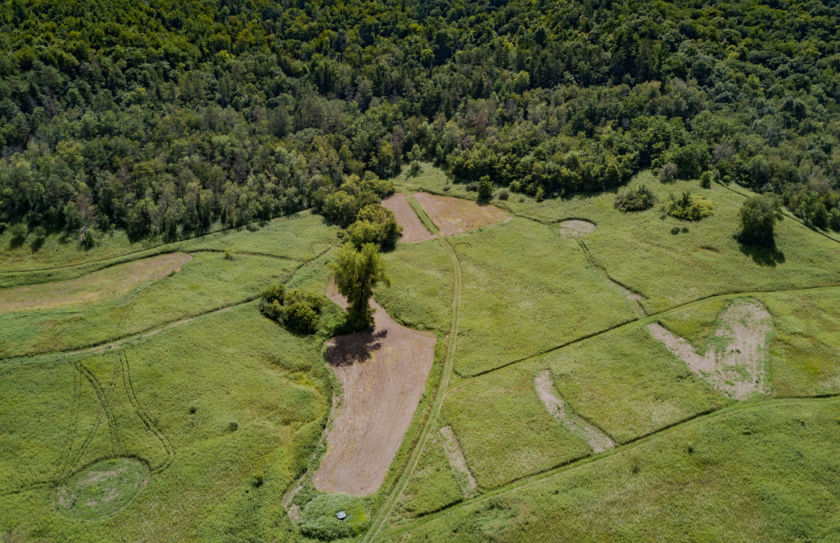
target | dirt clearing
x=383, y=374
x=94, y=287
x=456, y=215
x=576, y=228
x=734, y=359
x=597, y=439
x=413, y=230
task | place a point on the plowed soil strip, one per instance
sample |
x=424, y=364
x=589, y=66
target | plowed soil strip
x=456, y=215
x=94, y=287
x=413, y=229
x=597, y=439
x=457, y=460
x=383, y=374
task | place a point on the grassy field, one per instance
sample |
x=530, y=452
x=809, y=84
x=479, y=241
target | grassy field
x=231, y=386
x=206, y=282
x=639, y=250
x=761, y=473
x=297, y=237
x=804, y=346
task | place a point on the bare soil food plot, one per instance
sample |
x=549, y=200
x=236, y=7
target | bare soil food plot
x=383, y=374
x=413, y=229
x=734, y=360
x=94, y=287
x=576, y=228
x=456, y=215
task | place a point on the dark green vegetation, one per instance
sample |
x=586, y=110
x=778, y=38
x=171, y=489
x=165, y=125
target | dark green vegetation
x=298, y=311
x=637, y=199
x=167, y=118
x=758, y=220
x=357, y=272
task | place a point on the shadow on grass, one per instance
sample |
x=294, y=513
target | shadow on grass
x=763, y=255
x=356, y=347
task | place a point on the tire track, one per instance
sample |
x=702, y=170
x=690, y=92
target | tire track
x=128, y=385
x=113, y=430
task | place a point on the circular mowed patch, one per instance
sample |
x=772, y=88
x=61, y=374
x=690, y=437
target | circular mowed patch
x=102, y=488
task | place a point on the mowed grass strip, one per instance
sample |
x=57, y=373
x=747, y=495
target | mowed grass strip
x=96, y=287
x=504, y=429
x=527, y=289
x=628, y=384
x=804, y=343
x=237, y=397
x=766, y=473
x=208, y=281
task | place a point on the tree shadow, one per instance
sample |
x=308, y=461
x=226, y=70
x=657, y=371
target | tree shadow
x=356, y=347
x=763, y=255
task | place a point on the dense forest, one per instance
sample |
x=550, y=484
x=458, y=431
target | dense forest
x=166, y=117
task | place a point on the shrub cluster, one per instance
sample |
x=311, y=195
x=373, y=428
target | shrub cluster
x=374, y=224
x=298, y=311
x=318, y=517
x=689, y=207
x=637, y=199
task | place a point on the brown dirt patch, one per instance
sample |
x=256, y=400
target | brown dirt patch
x=597, y=439
x=576, y=227
x=456, y=215
x=734, y=359
x=383, y=374
x=456, y=459
x=413, y=229
x=94, y=287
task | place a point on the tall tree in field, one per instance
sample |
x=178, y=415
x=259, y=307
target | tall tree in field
x=758, y=219
x=356, y=274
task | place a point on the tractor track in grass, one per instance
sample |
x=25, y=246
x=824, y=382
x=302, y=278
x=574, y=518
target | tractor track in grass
x=697, y=418
x=113, y=343
x=387, y=507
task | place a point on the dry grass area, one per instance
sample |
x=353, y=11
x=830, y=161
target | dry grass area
x=456, y=215
x=382, y=374
x=413, y=230
x=734, y=359
x=457, y=460
x=597, y=439
x=94, y=287
x=576, y=228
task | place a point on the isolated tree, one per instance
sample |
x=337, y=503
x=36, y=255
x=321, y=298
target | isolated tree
x=356, y=274
x=758, y=219
x=485, y=189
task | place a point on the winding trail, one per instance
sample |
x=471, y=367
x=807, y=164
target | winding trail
x=388, y=506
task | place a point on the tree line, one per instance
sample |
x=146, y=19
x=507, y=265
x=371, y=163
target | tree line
x=165, y=118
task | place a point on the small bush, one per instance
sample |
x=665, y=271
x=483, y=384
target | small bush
x=637, y=199
x=232, y=426
x=485, y=190
x=229, y=255
x=668, y=172
x=275, y=292
x=689, y=207
x=298, y=311
x=318, y=519
x=504, y=195
x=833, y=221
x=19, y=233
x=414, y=169
x=706, y=179
x=300, y=318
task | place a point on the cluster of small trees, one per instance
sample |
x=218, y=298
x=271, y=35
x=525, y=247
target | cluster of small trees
x=298, y=311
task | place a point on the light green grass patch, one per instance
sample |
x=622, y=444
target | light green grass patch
x=504, y=429
x=765, y=473
x=207, y=282
x=433, y=484
x=527, y=289
x=628, y=384
x=102, y=489
x=232, y=393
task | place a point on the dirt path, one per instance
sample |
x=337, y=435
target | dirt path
x=93, y=287
x=413, y=229
x=457, y=460
x=734, y=360
x=597, y=438
x=456, y=215
x=383, y=374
